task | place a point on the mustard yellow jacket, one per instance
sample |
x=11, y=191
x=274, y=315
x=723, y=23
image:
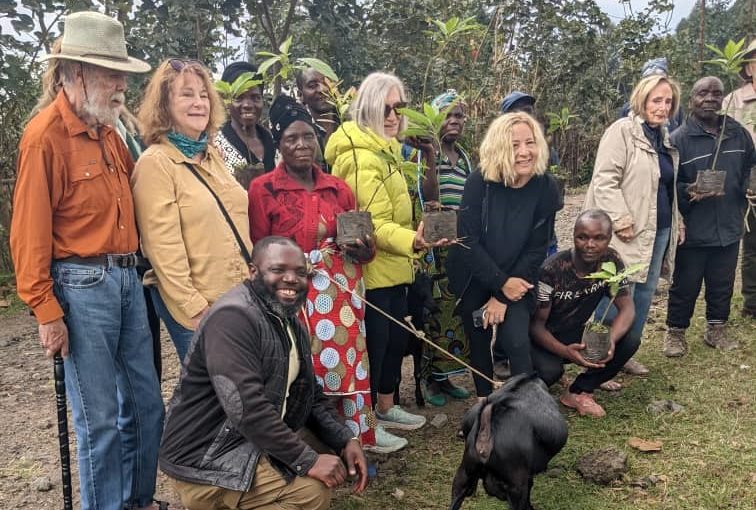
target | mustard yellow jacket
x=381, y=192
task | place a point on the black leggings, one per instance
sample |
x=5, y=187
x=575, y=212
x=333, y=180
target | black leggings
x=386, y=341
x=512, y=338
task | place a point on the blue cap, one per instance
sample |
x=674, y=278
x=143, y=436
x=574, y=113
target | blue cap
x=508, y=102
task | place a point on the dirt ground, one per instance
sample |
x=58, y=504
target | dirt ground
x=29, y=455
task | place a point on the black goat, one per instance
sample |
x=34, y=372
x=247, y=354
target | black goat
x=509, y=438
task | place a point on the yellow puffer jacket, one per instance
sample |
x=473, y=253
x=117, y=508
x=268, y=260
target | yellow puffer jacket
x=381, y=192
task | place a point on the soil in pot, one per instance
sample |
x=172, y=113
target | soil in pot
x=440, y=224
x=353, y=225
x=597, y=342
x=710, y=181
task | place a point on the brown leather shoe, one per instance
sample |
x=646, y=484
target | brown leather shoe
x=583, y=403
x=632, y=367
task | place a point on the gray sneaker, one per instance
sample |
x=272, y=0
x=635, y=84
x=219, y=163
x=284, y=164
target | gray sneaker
x=385, y=442
x=716, y=336
x=398, y=418
x=674, y=343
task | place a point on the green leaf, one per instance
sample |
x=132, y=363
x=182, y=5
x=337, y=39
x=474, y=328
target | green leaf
x=266, y=54
x=285, y=46
x=613, y=288
x=600, y=275
x=266, y=64
x=320, y=66
x=609, y=267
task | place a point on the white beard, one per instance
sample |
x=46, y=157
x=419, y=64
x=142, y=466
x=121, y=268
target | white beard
x=99, y=108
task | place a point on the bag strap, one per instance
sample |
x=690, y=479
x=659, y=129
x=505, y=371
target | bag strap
x=242, y=247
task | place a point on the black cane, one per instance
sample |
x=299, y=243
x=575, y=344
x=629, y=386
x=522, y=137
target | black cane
x=65, y=456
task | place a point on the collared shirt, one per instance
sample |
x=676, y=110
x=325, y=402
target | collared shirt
x=194, y=255
x=72, y=197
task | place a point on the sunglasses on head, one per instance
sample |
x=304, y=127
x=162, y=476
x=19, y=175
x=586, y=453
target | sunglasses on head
x=178, y=64
x=394, y=108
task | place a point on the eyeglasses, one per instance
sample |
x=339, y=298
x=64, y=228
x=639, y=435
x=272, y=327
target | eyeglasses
x=178, y=64
x=394, y=108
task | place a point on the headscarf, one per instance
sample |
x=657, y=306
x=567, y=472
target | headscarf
x=444, y=100
x=284, y=112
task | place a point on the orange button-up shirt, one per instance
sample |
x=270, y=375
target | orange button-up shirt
x=72, y=197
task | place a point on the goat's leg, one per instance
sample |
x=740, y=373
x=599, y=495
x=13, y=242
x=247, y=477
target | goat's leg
x=463, y=486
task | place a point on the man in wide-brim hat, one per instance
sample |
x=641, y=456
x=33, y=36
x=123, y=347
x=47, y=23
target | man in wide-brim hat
x=742, y=106
x=73, y=239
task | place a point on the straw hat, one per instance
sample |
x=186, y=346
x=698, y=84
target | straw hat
x=749, y=55
x=97, y=39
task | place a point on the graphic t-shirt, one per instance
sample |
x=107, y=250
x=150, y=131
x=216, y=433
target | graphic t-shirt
x=573, y=298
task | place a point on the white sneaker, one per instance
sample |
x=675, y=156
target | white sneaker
x=385, y=442
x=398, y=418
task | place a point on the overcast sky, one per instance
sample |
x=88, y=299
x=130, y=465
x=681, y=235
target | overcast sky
x=616, y=10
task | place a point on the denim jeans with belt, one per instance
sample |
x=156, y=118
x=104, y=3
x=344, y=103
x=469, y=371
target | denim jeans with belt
x=111, y=383
x=181, y=336
x=643, y=293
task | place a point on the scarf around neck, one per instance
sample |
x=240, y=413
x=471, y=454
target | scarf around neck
x=186, y=145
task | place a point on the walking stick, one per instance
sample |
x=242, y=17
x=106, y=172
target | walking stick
x=65, y=456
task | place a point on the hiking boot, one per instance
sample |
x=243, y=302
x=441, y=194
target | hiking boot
x=633, y=367
x=583, y=403
x=716, y=336
x=385, y=442
x=398, y=418
x=452, y=390
x=674, y=343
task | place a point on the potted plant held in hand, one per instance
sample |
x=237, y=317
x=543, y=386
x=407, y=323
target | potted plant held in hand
x=711, y=182
x=596, y=334
x=229, y=92
x=425, y=127
x=351, y=226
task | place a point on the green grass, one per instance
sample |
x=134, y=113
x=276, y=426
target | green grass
x=708, y=460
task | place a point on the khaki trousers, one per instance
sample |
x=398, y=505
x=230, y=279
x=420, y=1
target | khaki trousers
x=270, y=492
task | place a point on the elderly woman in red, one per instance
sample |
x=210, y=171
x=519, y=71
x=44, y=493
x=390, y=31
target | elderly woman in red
x=300, y=201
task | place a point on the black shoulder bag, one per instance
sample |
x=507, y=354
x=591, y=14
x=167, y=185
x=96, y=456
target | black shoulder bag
x=239, y=241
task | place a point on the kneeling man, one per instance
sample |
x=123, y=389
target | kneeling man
x=567, y=300
x=231, y=439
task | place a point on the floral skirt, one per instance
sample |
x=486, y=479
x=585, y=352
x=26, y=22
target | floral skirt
x=336, y=322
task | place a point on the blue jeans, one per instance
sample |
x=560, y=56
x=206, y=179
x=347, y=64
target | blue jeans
x=181, y=336
x=643, y=293
x=111, y=383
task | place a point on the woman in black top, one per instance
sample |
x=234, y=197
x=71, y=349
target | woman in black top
x=246, y=146
x=504, y=221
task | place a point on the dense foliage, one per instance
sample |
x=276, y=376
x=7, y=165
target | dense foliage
x=567, y=53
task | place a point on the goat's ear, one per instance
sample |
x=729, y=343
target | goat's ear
x=484, y=440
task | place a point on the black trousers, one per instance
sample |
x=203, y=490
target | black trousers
x=386, y=341
x=512, y=338
x=714, y=266
x=550, y=367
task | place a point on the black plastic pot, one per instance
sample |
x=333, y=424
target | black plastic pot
x=353, y=225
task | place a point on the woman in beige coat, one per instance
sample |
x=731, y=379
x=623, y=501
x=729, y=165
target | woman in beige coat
x=634, y=181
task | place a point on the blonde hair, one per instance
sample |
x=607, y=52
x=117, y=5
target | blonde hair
x=497, y=155
x=368, y=108
x=643, y=89
x=154, y=112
